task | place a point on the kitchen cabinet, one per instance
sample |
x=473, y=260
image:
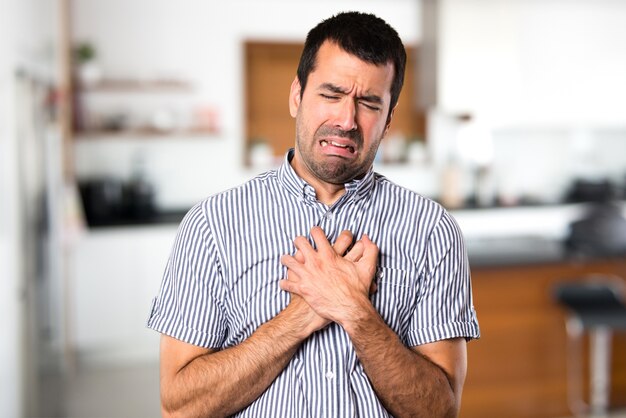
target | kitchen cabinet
x=115, y=273
x=518, y=366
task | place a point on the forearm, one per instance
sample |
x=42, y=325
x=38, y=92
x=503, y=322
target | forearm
x=224, y=382
x=408, y=384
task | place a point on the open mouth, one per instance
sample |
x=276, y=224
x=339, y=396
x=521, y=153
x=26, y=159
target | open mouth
x=324, y=143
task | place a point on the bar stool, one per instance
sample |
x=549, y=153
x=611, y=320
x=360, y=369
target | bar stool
x=596, y=304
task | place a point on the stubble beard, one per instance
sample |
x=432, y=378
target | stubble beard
x=333, y=170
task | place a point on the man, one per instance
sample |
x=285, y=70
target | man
x=320, y=289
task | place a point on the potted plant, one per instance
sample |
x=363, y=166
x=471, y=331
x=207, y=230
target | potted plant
x=88, y=70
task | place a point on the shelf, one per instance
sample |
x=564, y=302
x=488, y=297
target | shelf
x=145, y=133
x=138, y=86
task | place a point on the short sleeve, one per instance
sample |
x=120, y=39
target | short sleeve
x=189, y=305
x=444, y=307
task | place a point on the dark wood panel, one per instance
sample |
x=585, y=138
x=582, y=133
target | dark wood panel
x=518, y=366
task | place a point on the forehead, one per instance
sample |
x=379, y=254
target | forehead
x=334, y=65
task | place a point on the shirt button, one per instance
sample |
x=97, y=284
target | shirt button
x=330, y=375
x=329, y=215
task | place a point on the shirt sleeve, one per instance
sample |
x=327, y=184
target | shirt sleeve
x=444, y=307
x=189, y=304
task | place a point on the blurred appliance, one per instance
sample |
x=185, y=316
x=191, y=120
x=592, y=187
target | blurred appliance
x=110, y=201
x=601, y=232
x=103, y=200
x=583, y=190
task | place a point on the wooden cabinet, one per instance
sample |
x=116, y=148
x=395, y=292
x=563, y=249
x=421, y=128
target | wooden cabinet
x=518, y=366
x=270, y=68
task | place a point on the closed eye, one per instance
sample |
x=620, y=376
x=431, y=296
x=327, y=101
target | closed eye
x=370, y=106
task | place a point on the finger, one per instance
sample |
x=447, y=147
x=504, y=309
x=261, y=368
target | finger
x=299, y=257
x=288, y=286
x=356, y=252
x=370, y=250
x=373, y=287
x=304, y=247
x=320, y=239
x=343, y=242
x=293, y=266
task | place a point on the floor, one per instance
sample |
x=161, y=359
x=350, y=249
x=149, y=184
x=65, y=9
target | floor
x=130, y=391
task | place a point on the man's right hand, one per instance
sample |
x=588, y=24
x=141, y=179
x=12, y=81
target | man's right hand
x=311, y=320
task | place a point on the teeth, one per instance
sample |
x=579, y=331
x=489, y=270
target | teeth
x=325, y=143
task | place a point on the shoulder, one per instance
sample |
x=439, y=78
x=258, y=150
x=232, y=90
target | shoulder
x=242, y=197
x=399, y=197
x=256, y=186
x=412, y=208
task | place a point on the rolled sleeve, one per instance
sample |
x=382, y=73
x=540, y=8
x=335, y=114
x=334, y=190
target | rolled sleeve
x=188, y=306
x=444, y=307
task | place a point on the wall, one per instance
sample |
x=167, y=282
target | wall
x=201, y=41
x=549, y=63
x=546, y=76
x=27, y=44
x=11, y=327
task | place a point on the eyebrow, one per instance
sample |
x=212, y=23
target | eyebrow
x=372, y=98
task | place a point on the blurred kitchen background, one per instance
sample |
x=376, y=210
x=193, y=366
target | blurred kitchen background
x=117, y=116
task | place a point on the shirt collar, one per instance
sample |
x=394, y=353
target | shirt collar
x=294, y=184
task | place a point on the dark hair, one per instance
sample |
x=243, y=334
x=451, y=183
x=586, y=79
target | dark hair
x=363, y=35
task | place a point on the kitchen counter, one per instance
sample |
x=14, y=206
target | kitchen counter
x=509, y=251
x=170, y=217
x=521, y=235
x=494, y=237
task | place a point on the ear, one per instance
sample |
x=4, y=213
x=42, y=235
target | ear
x=294, y=97
x=388, y=125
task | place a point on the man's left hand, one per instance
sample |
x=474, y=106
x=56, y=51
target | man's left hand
x=332, y=284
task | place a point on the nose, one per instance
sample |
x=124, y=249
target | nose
x=345, y=117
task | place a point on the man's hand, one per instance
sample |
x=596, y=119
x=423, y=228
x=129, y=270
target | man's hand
x=313, y=321
x=333, y=285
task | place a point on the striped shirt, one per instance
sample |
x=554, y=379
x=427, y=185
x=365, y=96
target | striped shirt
x=221, y=281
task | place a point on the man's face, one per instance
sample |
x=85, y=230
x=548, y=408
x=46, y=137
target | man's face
x=341, y=117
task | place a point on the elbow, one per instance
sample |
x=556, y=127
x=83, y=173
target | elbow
x=449, y=400
x=451, y=405
x=446, y=407
x=173, y=408
x=176, y=409
x=452, y=412
x=167, y=411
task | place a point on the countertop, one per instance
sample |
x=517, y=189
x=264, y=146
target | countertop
x=509, y=251
x=520, y=236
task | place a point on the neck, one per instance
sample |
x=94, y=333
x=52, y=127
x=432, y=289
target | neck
x=327, y=193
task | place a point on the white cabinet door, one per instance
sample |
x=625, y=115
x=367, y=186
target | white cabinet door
x=115, y=274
